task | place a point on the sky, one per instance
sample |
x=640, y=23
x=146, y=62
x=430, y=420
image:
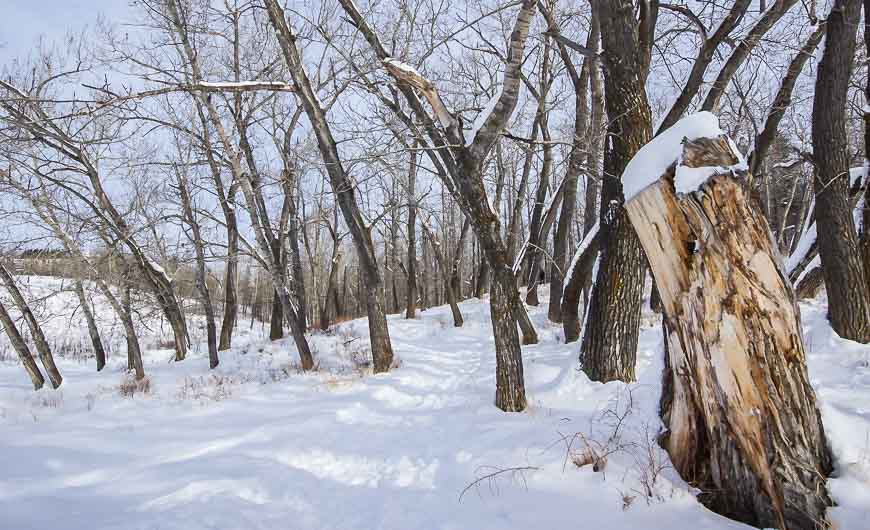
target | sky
x=23, y=21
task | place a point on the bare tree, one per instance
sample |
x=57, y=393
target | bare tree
x=189, y=217
x=845, y=277
x=343, y=188
x=461, y=164
x=576, y=160
x=609, y=346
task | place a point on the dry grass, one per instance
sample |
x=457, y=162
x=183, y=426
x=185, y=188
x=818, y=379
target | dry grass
x=211, y=388
x=165, y=344
x=48, y=400
x=130, y=386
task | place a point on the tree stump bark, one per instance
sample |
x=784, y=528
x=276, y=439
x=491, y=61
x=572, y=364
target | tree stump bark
x=741, y=416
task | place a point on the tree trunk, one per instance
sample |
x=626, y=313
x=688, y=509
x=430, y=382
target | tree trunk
x=266, y=243
x=297, y=276
x=134, y=353
x=231, y=301
x=411, y=298
x=577, y=276
x=483, y=281
x=21, y=348
x=121, y=309
x=449, y=288
x=845, y=277
x=609, y=348
x=276, y=321
x=93, y=330
x=537, y=229
x=810, y=283
x=276, y=318
x=42, y=346
x=579, y=147
x=510, y=391
x=201, y=268
x=536, y=274
x=864, y=236
x=331, y=296
x=741, y=415
x=456, y=265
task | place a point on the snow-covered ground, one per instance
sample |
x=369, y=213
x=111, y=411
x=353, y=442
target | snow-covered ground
x=256, y=444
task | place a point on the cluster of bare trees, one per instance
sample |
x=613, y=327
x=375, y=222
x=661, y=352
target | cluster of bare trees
x=404, y=154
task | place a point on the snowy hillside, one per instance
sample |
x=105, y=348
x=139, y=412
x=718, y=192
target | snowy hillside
x=256, y=444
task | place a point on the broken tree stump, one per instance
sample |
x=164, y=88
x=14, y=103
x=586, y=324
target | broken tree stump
x=741, y=417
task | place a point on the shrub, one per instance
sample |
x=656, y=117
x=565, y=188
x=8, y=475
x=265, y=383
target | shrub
x=130, y=386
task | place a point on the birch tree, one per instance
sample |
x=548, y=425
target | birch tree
x=460, y=165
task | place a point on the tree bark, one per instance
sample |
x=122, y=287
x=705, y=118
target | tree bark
x=536, y=255
x=297, y=274
x=230, y=291
x=845, y=277
x=226, y=199
x=741, y=415
x=537, y=226
x=331, y=296
x=510, y=391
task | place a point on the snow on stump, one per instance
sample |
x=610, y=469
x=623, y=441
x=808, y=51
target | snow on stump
x=741, y=417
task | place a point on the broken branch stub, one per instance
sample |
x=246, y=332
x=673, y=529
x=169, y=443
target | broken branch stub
x=741, y=417
x=410, y=75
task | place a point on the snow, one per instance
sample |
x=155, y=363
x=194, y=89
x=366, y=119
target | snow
x=809, y=236
x=856, y=175
x=255, y=444
x=587, y=240
x=404, y=67
x=805, y=244
x=654, y=158
x=159, y=269
x=447, y=120
x=481, y=118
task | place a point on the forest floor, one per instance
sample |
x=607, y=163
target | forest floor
x=257, y=444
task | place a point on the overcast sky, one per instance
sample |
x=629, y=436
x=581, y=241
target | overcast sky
x=23, y=21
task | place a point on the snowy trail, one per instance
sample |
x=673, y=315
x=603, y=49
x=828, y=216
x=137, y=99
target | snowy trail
x=334, y=450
